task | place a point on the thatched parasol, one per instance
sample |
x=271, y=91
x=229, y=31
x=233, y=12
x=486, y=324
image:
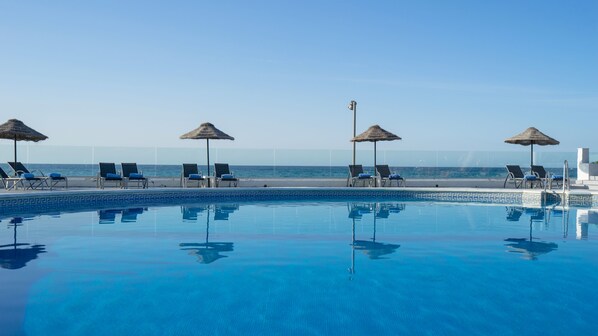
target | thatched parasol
x=374, y=134
x=207, y=131
x=532, y=136
x=16, y=130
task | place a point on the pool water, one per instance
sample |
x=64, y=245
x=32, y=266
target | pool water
x=300, y=268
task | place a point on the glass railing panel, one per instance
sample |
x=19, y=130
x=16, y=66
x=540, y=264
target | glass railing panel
x=286, y=163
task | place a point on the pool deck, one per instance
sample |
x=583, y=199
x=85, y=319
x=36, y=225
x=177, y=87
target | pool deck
x=89, y=182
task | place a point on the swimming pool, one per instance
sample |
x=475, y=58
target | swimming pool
x=300, y=268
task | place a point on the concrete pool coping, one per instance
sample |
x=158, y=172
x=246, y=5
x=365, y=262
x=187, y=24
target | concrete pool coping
x=175, y=182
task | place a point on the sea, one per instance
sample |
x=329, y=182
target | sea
x=301, y=172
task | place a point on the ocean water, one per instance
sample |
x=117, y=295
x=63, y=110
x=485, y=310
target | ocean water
x=293, y=171
x=300, y=268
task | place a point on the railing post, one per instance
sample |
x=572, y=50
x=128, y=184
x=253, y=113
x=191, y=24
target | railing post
x=565, y=182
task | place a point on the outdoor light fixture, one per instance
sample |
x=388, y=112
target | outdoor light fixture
x=353, y=107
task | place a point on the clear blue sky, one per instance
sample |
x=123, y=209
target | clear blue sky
x=444, y=75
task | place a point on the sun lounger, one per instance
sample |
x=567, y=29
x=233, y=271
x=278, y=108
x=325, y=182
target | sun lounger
x=27, y=180
x=547, y=178
x=132, y=174
x=7, y=181
x=356, y=174
x=223, y=174
x=384, y=174
x=31, y=181
x=515, y=175
x=108, y=174
x=191, y=174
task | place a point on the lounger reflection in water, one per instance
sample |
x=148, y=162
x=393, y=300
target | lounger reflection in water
x=129, y=215
x=222, y=211
x=190, y=213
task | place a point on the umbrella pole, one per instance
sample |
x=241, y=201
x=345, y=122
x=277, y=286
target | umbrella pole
x=375, y=175
x=532, y=159
x=208, y=151
x=15, y=152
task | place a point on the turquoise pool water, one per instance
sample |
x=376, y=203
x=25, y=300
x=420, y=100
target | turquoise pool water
x=299, y=268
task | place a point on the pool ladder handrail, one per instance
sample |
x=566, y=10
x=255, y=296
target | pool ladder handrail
x=566, y=184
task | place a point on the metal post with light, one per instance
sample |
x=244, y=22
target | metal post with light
x=353, y=107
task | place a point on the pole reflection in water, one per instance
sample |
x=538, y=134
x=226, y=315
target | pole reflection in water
x=529, y=248
x=17, y=255
x=372, y=248
x=208, y=252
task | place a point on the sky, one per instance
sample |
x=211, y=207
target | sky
x=443, y=75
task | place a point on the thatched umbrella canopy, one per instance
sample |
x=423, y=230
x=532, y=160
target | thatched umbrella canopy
x=16, y=130
x=207, y=131
x=374, y=134
x=530, y=137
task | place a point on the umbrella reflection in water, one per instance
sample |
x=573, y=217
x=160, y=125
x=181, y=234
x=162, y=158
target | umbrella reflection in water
x=208, y=252
x=372, y=248
x=529, y=248
x=17, y=255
